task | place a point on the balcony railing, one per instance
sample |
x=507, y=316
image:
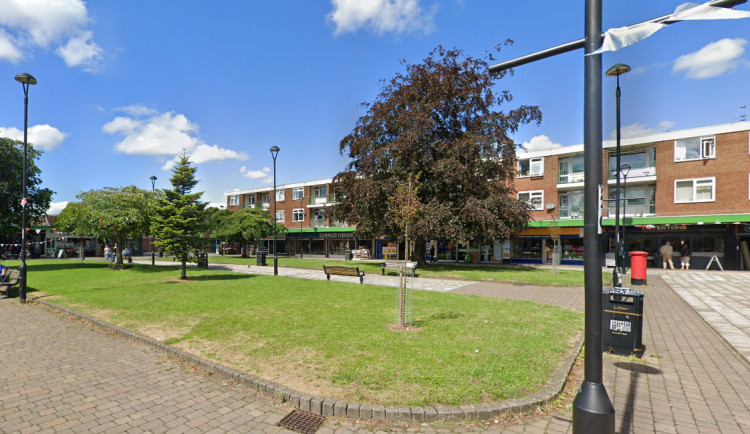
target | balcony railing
x=633, y=207
x=565, y=177
x=635, y=172
x=571, y=212
x=321, y=200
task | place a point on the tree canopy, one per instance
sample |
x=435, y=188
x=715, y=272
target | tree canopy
x=113, y=214
x=243, y=226
x=437, y=120
x=11, y=186
x=179, y=220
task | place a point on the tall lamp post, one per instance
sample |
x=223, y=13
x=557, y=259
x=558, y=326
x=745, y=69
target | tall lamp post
x=301, y=205
x=624, y=169
x=274, y=152
x=26, y=80
x=151, y=237
x=617, y=71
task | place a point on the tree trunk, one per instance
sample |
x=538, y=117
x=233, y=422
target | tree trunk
x=420, y=250
x=183, y=273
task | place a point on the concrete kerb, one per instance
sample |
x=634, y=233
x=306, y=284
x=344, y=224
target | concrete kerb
x=328, y=407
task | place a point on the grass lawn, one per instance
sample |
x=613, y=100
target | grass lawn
x=516, y=273
x=324, y=338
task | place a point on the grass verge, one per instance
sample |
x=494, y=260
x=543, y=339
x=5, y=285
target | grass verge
x=329, y=339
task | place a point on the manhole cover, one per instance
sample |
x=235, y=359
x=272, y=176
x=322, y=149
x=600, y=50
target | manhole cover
x=302, y=422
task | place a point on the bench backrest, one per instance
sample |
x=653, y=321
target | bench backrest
x=338, y=269
x=12, y=276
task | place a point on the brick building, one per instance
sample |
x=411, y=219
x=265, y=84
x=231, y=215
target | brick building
x=689, y=185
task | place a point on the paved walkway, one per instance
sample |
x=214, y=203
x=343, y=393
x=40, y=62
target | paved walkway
x=59, y=375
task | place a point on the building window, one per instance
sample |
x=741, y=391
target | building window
x=298, y=193
x=571, y=205
x=533, y=198
x=264, y=200
x=571, y=170
x=298, y=215
x=319, y=192
x=636, y=160
x=280, y=195
x=251, y=201
x=694, y=190
x=694, y=148
x=531, y=167
x=234, y=199
x=280, y=216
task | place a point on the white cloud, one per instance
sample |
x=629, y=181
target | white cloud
x=638, y=130
x=255, y=174
x=167, y=134
x=31, y=24
x=538, y=143
x=45, y=137
x=81, y=50
x=55, y=208
x=712, y=60
x=380, y=16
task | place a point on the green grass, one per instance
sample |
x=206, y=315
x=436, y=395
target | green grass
x=502, y=273
x=327, y=338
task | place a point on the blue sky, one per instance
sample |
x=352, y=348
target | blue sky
x=126, y=86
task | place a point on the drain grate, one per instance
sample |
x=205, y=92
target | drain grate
x=302, y=422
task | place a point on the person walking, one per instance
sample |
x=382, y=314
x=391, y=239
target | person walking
x=685, y=254
x=666, y=255
x=106, y=252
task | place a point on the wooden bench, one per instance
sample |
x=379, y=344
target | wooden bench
x=343, y=271
x=10, y=282
x=410, y=267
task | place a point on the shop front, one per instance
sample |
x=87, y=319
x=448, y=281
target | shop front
x=723, y=239
x=321, y=242
x=537, y=246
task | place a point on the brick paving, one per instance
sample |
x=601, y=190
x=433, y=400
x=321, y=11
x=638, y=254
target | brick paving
x=59, y=375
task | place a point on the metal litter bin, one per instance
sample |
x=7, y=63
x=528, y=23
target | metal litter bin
x=622, y=321
x=260, y=259
x=202, y=260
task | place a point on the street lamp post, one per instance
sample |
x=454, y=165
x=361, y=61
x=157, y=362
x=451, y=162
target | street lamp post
x=617, y=71
x=151, y=237
x=274, y=152
x=624, y=169
x=302, y=206
x=26, y=80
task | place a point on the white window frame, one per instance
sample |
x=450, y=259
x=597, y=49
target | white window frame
x=233, y=199
x=280, y=217
x=280, y=195
x=297, y=213
x=532, y=194
x=696, y=182
x=298, y=193
x=251, y=200
x=537, y=162
x=706, y=145
x=265, y=199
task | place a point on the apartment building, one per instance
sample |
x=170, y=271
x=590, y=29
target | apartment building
x=303, y=209
x=690, y=185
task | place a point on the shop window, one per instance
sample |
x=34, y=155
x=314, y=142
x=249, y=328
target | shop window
x=694, y=190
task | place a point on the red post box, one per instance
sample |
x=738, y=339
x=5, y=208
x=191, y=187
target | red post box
x=638, y=267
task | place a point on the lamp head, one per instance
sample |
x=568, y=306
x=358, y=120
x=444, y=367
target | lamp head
x=274, y=151
x=625, y=169
x=617, y=70
x=25, y=78
x=153, y=178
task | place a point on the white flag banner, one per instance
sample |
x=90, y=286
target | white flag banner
x=621, y=37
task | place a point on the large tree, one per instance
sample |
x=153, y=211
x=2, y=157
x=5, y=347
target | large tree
x=243, y=226
x=11, y=186
x=438, y=120
x=111, y=213
x=179, y=222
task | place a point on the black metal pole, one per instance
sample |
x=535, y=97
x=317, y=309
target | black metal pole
x=23, y=270
x=274, y=153
x=617, y=273
x=151, y=237
x=592, y=408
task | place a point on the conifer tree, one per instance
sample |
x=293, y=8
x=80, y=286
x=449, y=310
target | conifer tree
x=179, y=223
